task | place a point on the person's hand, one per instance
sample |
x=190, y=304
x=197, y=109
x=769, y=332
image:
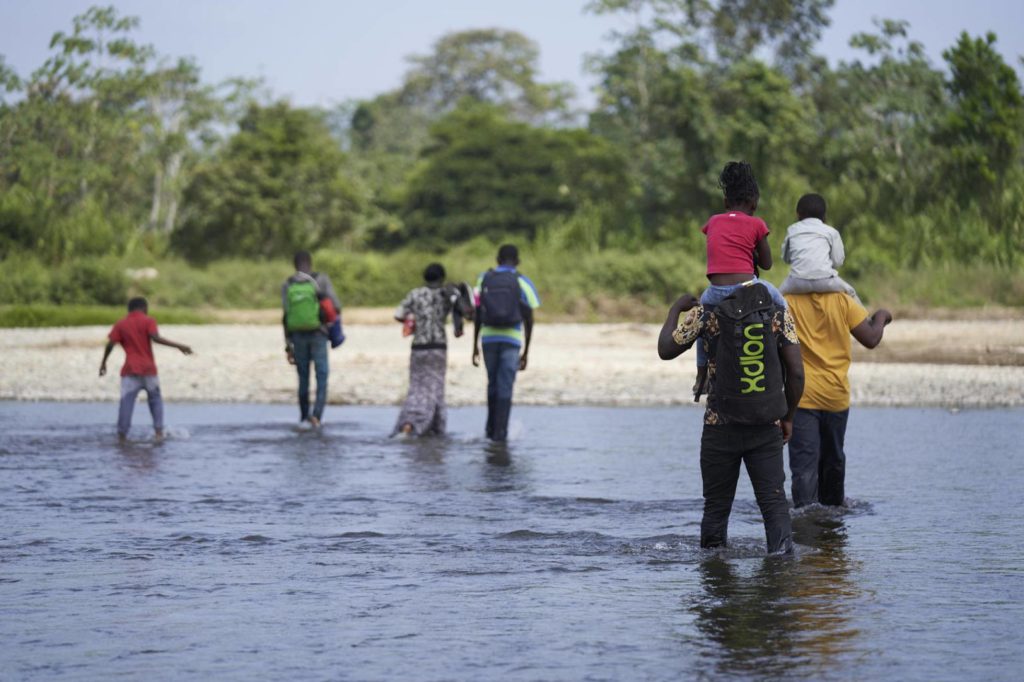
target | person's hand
x=476, y=356
x=884, y=315
x=291, y=356
x=686, y=301
x=103, y=368
x=522, y=362
x=458, y=333
x=787, y=429
x=186, y=350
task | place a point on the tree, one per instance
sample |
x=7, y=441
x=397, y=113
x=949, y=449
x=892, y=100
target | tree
x=278, y=186
x=483, y=174
x=984, y=133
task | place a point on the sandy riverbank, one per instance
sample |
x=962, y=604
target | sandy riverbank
x=947, y=363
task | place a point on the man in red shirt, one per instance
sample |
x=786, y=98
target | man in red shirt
x=136, y=333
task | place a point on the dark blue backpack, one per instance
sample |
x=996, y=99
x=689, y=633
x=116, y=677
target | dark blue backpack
x=500, y=299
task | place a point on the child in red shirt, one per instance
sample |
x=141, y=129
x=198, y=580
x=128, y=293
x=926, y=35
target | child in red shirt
x=737, y=247
x=136, y=333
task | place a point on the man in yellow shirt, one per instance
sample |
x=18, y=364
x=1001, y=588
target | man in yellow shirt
x=824, y=323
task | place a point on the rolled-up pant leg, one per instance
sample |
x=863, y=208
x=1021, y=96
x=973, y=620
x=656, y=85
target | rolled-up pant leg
x=805, y=456
x=767, y=472
x=720, y=457
x=130, y=387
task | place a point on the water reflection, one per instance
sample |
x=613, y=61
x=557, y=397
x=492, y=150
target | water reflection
x=782, y=616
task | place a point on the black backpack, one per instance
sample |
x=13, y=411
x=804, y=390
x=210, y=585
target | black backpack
x=500, y=299
x=749, y=386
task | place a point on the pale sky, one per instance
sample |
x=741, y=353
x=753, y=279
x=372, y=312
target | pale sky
x=322, y=52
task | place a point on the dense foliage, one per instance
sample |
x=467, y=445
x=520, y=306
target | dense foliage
x=113, y=157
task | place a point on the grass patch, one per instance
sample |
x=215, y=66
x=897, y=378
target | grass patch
x=50, y=315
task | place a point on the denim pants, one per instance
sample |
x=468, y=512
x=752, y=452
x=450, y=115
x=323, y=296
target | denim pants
x=311, y=347
x=722, y=448
x=715, y=294
x=816, y=458
x=502, y=362
x=131, y=385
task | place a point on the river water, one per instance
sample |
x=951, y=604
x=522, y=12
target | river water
x=242, y=549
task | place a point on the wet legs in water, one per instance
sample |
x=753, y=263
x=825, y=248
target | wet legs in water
x=817, y=460
x=131, y=385
x=311, y=347
x=502, y=363
x=722, y=448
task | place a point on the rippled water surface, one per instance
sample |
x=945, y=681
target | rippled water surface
x=243, y=549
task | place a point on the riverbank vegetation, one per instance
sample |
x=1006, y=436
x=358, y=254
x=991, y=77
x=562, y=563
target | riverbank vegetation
x=123, y=172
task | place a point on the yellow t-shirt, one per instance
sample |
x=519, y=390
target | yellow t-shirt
x=823, y=324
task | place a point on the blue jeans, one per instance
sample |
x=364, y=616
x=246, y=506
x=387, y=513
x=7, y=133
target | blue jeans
x=715, y=294
x=502, y=362
x=131, y=385
x=817, y=461
x=311, y=347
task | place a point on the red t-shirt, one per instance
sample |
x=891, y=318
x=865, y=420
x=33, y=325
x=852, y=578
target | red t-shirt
x=133, y=334
x=732, y=238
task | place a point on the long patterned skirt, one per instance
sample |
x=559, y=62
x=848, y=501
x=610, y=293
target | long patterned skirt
x=424, y=407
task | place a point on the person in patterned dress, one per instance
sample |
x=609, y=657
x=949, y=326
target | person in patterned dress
x=724, y=444
x=425, y=310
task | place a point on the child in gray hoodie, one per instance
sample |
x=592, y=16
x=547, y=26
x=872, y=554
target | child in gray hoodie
x=813, y=251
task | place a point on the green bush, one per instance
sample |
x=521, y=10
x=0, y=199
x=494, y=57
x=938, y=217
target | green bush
x=86, y=315
x=90, y=281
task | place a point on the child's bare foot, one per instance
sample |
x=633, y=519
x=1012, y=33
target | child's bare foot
x=122, y=437
x=158, y=434
x=314, y=422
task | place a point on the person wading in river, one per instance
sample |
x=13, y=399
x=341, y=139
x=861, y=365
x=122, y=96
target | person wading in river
x=305, y=331
x=749, y=341
x=506, y=300
x=824, y=323
x=423, y=311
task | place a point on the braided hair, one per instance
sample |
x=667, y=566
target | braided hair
x=738, y=183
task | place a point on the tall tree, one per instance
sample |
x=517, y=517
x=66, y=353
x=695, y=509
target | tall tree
x=276, y=187
x=483, y=174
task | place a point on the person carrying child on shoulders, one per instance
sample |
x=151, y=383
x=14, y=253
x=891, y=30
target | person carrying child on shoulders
x=813, y=250
x=737, y=245
x=137, y=332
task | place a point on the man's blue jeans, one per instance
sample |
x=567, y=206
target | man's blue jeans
x=311, y=347
x=817, y=461
x=502, y=362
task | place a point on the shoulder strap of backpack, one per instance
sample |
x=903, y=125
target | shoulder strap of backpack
x=308, y=277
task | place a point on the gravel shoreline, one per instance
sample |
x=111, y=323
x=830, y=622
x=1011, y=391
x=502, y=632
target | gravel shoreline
x=570, y=364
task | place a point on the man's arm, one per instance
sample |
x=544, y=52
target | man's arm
x=528, y=328
x=668, y=348
x=869, y=332
x=786, y=255
x=476, y=338
x=327, y=289
x=106, y=354
x=763, y=253
x=794, y=366
x=173, y=344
